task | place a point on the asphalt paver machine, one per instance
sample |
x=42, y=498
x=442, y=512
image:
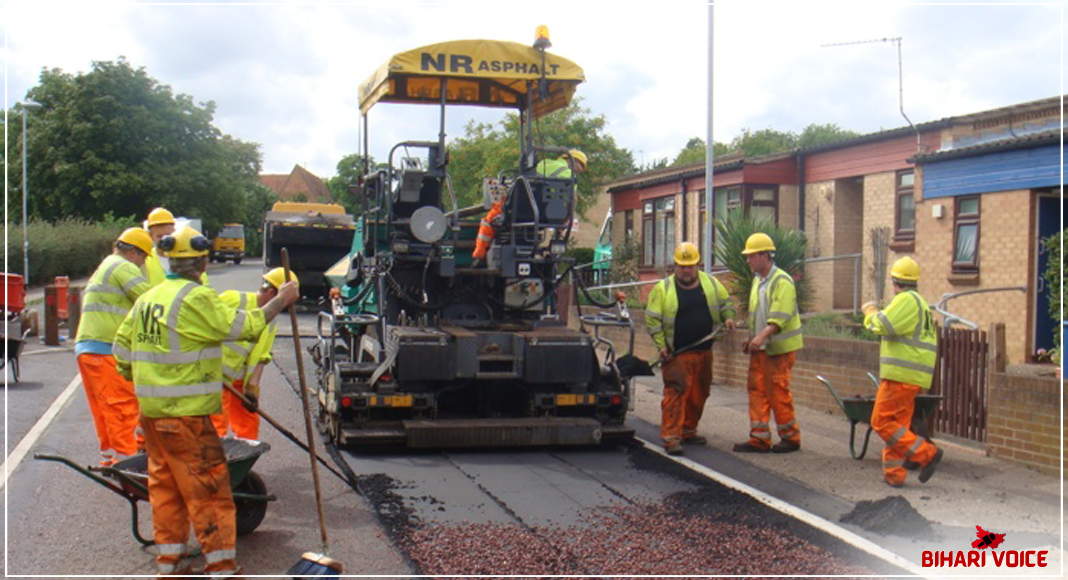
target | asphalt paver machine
x=423, y=349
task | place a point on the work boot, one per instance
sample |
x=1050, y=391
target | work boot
x=674, y=448
x=894, y=484
x=929, y=469
x=695, y=440
x=910, y=465
x=748, y=447
x=785, y=447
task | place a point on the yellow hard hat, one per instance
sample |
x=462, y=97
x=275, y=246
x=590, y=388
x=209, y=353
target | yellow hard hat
x=758, y=242
x=137, y=237
x=185, y=243
x=578, y=156
x=686, y=254
x=160, y=216
x=905, y=269
x=277, y=277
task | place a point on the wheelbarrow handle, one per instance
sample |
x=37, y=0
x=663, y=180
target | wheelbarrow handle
x=289, y=435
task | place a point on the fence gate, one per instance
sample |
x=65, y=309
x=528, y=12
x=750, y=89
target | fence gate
x=961, y=379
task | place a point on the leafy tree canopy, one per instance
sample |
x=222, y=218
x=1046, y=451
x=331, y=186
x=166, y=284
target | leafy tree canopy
x=115, y=140
x=486, y=150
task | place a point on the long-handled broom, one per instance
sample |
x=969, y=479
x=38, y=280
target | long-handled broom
x=311, y=563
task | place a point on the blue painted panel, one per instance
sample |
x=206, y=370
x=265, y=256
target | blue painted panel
x=1007, y=170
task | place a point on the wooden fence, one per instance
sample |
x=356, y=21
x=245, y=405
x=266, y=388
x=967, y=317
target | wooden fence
x=961, y=378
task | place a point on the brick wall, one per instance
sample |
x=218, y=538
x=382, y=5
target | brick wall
x=879, y=191
x=1006, y=258
x=819, y=225
x=1025, y=419
x=848, y=238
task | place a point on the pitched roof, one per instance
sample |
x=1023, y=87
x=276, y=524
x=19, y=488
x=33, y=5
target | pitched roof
x=299, y=181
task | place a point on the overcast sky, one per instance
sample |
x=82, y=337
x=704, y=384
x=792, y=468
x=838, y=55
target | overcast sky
x=286, y=76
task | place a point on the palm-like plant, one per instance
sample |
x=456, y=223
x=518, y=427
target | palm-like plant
x=790, y=249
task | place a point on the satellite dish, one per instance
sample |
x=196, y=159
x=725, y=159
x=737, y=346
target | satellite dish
x=428, y=224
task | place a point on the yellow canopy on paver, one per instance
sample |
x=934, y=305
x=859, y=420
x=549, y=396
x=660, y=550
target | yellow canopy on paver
x=488, y=73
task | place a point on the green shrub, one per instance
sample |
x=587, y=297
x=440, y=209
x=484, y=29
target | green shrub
x=70, y=247
x=834, y=325
x=1054, y=285
x=790, y=249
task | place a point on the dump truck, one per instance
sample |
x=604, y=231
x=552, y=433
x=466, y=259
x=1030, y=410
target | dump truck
x=423, y=348
x=316, y=236
x=229, y=244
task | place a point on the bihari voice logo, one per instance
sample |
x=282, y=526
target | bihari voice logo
x=978, y=559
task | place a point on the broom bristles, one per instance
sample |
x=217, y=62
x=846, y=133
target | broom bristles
x=315, y=565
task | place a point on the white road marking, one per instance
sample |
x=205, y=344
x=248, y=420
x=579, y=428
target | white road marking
x=795, y=512
x=27, y=442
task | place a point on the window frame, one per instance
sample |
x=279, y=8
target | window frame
x=744, y=202
x=649, y=228
x=966, y=219
x=900, y=191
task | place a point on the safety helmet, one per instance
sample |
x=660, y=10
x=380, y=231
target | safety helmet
x=758, y=242
x=579, y=157
x=905, y=269
x=185, y=243
x=138, y=238
x=277, y=277
x=160, y=216
x=686, y=254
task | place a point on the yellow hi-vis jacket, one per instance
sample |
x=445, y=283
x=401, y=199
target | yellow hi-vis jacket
x=111, y=292
x=240, y=357
x=555, y=168
x=780, y=301
x=156, y=274
x=909, y=344
x=663, y=307
x=170, y=346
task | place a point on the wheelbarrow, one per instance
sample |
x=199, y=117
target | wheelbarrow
x=13, y=345
x=129, y=479
x=858, y=409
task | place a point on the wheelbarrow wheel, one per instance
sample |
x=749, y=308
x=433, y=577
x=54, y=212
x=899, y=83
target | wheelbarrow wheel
x=250, y=513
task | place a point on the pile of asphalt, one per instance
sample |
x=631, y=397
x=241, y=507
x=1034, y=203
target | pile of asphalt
x=892, y=515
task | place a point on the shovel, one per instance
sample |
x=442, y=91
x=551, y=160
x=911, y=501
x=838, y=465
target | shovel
x=632, y=366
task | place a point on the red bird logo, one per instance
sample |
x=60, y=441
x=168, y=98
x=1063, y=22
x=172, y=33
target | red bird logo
x=987, y=539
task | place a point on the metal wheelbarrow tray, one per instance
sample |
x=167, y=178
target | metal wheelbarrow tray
x=129, y=479
x=859, y=409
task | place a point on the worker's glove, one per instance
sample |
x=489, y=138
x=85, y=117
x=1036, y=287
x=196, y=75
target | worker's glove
x=252, y=393
x=869, y=308
x=497, y=220
x=476, y=263
x=250, y=403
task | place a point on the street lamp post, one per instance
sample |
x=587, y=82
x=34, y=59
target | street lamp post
x=27, y=106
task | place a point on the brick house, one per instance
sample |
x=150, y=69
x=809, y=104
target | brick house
x=984, y=184
x=298, y=185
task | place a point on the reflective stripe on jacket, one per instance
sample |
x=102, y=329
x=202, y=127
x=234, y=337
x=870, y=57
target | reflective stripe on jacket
x=111, y=291
x=170, y=345
x=909, y=345
x=781, y=304
x=240, y=357
x=663, y=307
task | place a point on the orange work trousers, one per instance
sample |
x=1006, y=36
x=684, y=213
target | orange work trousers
x=891, y=418
x=769, y=392
x=189, y=483
x=236, y=417
x=687, y=383
x=113, y=404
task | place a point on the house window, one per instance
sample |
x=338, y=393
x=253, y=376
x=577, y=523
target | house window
x=761, y=202
x=905, y=207
x=658, y=231
x=966, y=235
x=628, y=225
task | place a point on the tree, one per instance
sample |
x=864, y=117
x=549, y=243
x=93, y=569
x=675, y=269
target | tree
x=486, y=150
x=349, y=172
x=816, y=134
x=115, y=140
x=695, y=151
